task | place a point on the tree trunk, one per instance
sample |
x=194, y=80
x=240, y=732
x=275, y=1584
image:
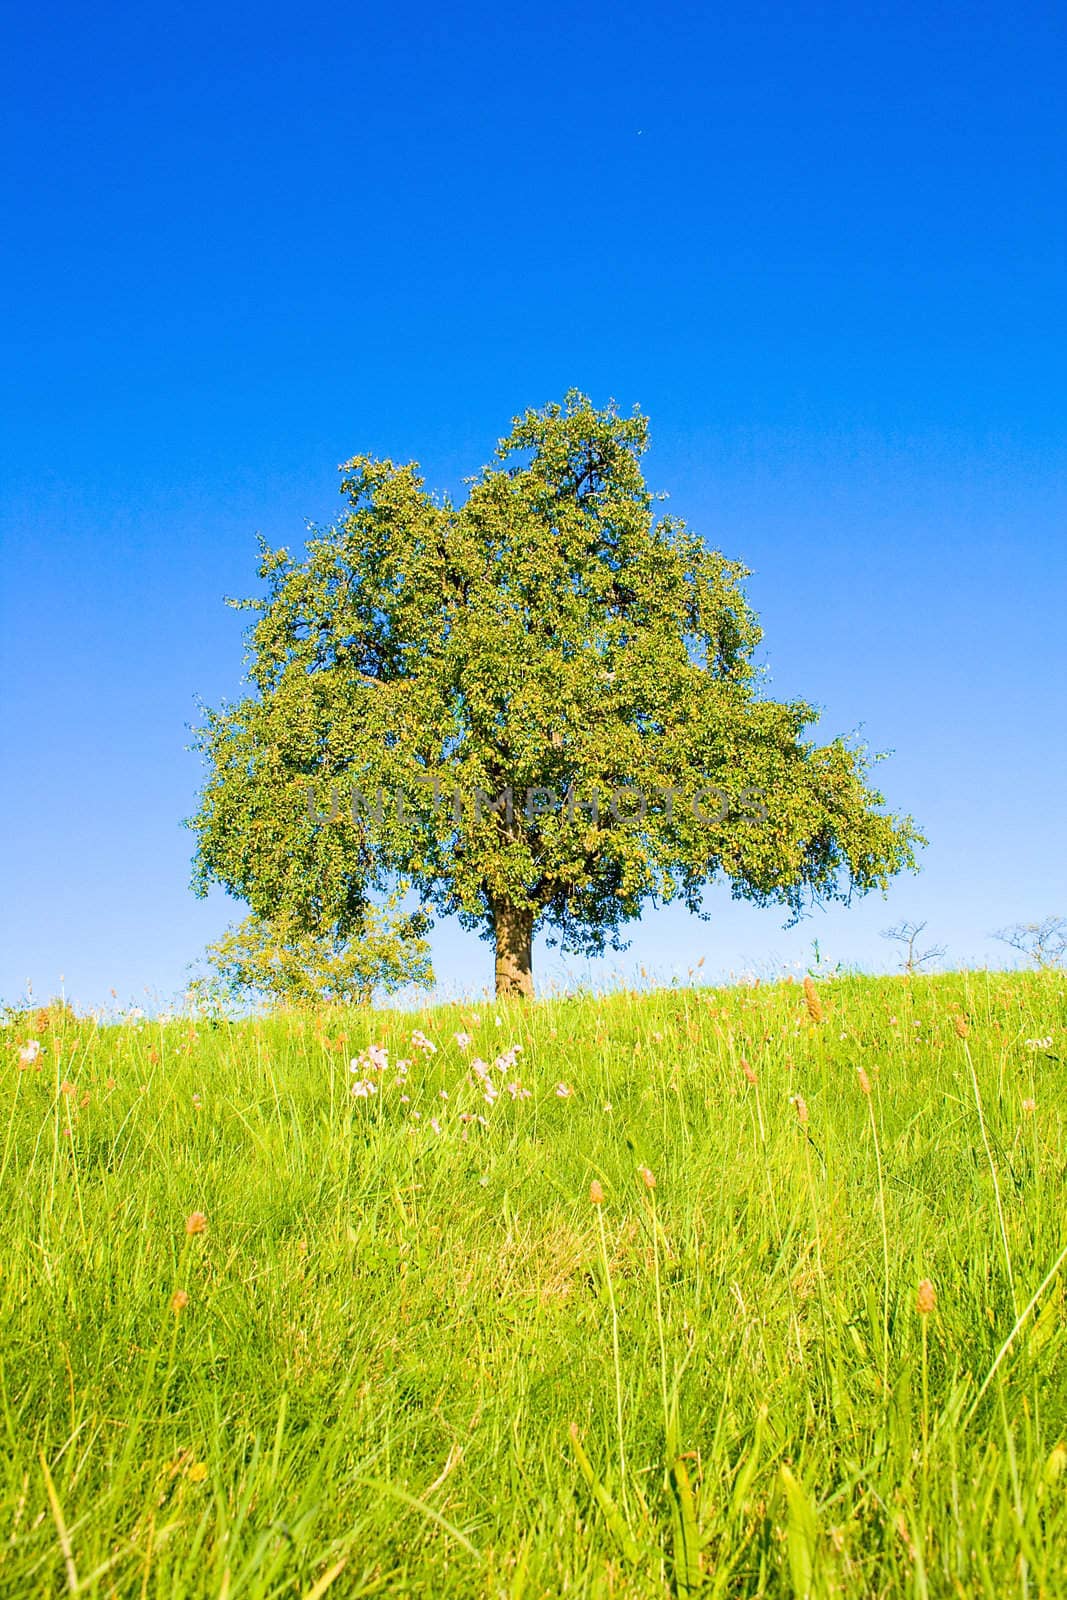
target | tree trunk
x=514, y=951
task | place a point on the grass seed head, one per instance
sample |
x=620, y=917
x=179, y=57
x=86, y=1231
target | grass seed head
x=926, y=1298
x=812, y=1001
x=195, y=1222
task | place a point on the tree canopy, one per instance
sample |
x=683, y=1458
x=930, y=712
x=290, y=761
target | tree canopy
x=539, y=708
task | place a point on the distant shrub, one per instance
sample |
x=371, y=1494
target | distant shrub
x=274, y=961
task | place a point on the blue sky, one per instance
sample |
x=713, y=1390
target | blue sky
x=823, y=248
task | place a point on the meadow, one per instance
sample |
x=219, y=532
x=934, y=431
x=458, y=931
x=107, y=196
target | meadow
x=717, y=1292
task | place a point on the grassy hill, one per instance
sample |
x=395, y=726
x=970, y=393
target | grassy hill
x=674, y=1305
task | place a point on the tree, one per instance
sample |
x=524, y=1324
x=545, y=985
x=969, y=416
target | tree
x=1044, y=943
x=279, y=961
x=539, y=706
x=907, y=934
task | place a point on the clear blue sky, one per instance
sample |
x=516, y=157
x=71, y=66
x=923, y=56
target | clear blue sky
x=823, y=247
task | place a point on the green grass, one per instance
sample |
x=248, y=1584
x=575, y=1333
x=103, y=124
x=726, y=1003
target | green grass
x=422, y=1363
